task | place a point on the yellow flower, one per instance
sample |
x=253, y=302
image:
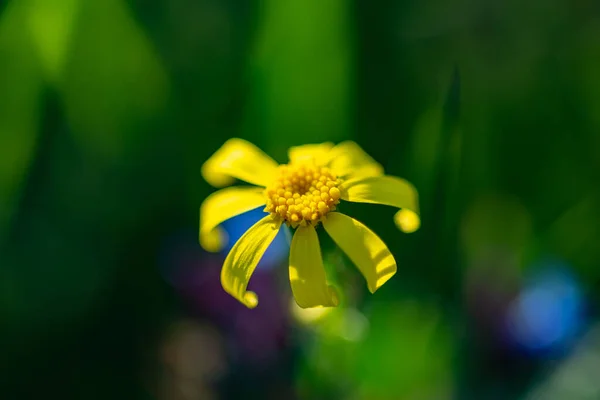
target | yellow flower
x=302, y=194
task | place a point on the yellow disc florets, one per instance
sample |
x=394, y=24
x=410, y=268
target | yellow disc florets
x=303, y=194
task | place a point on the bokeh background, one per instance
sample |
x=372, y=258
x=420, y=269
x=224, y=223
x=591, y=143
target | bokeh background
x=108, y=109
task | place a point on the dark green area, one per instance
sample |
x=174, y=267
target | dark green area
x=108, y=108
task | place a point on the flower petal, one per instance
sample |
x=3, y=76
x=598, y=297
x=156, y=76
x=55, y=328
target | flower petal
x=307, y=274
x=243, y=258
x=348, y=159
x=407, y=220
x=366, y=250
x=388, y=190
x=317, y=152
x=239, y=159
x=222, y=205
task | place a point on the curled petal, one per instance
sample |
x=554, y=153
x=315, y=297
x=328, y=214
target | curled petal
x=244, y=257
x=307, y=274
x=407, y=220
x=239, y=159
x=366, y=250
x=349, y=160
x=388, y=190
x=222, y=205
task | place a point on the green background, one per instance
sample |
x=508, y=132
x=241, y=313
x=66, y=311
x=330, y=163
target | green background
x=108, y=108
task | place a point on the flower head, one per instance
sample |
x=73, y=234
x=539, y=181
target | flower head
x=302, y=194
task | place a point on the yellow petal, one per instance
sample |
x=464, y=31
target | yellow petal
x=316, y=152
x=239, y=159
x=244, y=257
x=407, y=221
x=366, y=250
x=309, y=316
x=307, y=274
x=348, y=159
x=222, y=205
x=388, y=190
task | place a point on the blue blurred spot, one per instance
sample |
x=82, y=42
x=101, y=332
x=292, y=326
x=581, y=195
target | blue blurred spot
x=237, y=226
x=548, y=314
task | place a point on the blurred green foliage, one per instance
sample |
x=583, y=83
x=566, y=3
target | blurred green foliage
x=109, y=107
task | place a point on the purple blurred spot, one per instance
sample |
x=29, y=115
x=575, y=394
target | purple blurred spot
x=257, y=334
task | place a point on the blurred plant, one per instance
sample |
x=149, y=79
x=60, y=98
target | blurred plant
x=396, y=350
x=301, y=71
x=79, y=82
x=302, y=194
x=573, y=238
x=21, y=85
x=346, y=323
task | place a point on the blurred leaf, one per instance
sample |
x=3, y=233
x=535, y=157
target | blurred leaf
x=587, y=59
x=426, y=151
x=301, y=73
x=407, y=354
x=51, y=26
x=20, y=88
x=114, y=80
x=402, y=352
x=574, y=237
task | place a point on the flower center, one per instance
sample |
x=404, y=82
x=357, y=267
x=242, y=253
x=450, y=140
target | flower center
x=303, y=193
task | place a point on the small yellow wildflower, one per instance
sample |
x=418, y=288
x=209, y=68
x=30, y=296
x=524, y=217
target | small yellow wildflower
x=302, y=194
